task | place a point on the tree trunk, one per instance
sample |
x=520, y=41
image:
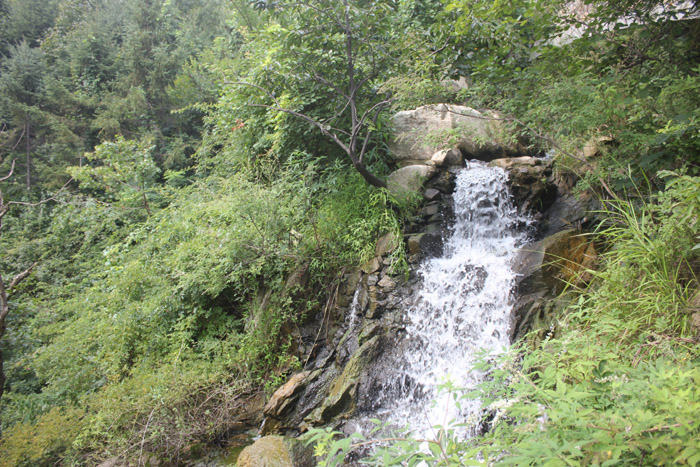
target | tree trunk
x=4, y=310
x=29, y=158
x=369, y=176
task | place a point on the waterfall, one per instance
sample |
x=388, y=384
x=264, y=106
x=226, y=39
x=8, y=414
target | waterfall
x=463, y=305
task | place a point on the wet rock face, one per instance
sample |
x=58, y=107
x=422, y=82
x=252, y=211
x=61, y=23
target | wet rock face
x=560, y=252
x=366, y=323
x=530, y=182
x=282, y=402
x=364, y=339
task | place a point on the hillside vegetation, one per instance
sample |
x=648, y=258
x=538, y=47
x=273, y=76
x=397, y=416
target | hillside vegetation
x=188, y=180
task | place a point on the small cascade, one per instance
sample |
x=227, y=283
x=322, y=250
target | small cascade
x=463, y=305
x=352, y=317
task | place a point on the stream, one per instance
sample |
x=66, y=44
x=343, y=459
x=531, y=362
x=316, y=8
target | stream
x=463, y=306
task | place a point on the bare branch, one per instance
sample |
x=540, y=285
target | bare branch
x=325, y=82
x=43, y=201
x=341, y=14
x=19, y=140
x=12, y=169
x=243, y=83
x=317, y=124
x=378, y=108
x=21, y=276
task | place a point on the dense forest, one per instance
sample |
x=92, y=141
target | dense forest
x=167, y=165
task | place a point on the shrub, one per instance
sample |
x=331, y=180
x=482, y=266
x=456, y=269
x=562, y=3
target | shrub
x=43, y=443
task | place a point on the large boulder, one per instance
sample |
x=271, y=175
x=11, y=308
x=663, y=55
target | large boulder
x=409, y=179
x=276, y=451
x=421, y=133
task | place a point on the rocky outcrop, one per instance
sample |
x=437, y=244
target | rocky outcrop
x=560, y=253
x=530, y=181
x=421, y=133
x=342, y=394
x=544, y=269
x=282, y=401
x=364, y=324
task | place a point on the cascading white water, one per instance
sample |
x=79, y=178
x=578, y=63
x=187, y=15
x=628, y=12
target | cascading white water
x=464, y=305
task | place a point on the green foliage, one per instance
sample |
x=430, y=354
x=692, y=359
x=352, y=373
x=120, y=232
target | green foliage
x=125, y=170
x=43, y=443
x=162, y=411
x=25, y=20
x=347, y=231
x=199, y=286
x=158, y=323
x=499, y=38
x=653, y=243
x=625, y=71
x=163, y=321
x=309, y=81
x=600, y=410
x=398, y=448
x=193, y=265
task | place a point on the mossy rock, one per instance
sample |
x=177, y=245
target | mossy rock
x=276, y=451
x=342, y=395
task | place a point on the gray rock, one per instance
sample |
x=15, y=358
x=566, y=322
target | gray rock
x=409, y=179
x=596, y=146
x=530, y=182
x=510, y=162
x=429, y=210
x=542, y=270
x=455, y=85
x=431, y=194
x=387, y=243
x=434, y=229
x=426, y=244
x=283, y=397
x=372, y=265
x=443, y=182
x=421, y=132
x=387, y=283
x=447, y=157
x=374, y=311
x=342, y=394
